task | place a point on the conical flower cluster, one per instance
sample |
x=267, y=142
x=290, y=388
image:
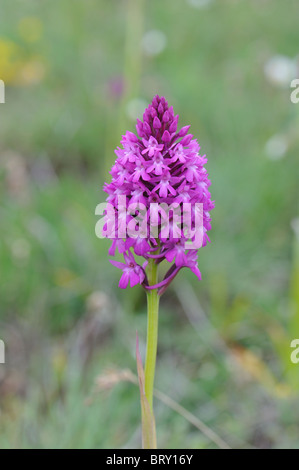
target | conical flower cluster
x=158, y=169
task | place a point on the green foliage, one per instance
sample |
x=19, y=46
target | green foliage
x=224, y=342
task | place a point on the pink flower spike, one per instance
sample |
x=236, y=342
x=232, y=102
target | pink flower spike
x=162, y=166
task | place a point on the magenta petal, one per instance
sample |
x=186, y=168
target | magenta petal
x=145, y=265
x=124, y=281
x=172, y=190
x=134, y=279
x=196, y=271
x=170, y=255
x=163, y=191
x=117, y=264
x=129, y=258
x=180, y=258
x=111, y=250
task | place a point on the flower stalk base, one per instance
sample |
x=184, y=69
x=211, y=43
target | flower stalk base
x=152, y=333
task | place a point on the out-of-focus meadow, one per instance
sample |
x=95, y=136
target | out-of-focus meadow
x=77, y=75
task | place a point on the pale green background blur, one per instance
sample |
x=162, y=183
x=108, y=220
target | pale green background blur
x=77, y=74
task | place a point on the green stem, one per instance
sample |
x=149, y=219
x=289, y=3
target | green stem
x=152, y=332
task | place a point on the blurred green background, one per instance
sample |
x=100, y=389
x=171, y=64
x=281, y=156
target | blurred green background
x=77, y=75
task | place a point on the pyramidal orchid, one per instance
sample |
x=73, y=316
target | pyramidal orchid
x=158, y=209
